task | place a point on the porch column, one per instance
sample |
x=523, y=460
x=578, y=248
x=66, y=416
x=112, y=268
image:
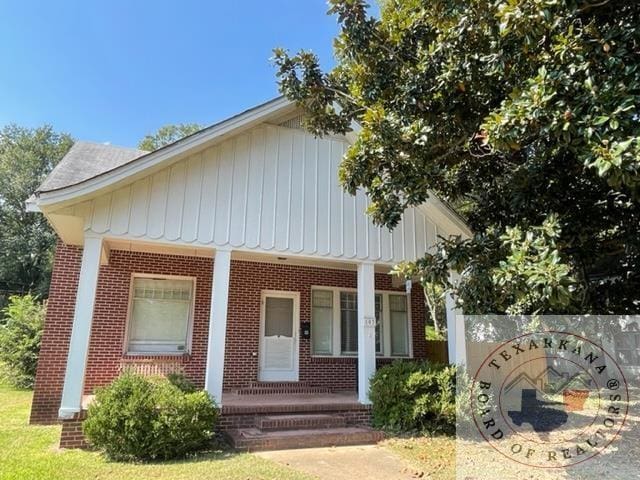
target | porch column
x=455, y=329
x=81, y=330
x=366, y=329
x=218, y=324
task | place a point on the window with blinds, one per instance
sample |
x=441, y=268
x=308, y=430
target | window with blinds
x=160, y=315
x=348, y=322
x=334, y=323
x=378, y=323
x=322, y=322
x=399, y=325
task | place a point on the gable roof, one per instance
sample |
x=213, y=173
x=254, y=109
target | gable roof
x=89, y=169
x=121, y=164
x=85, y=160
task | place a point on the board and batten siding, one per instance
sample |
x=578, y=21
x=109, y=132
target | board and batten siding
x=270, y=189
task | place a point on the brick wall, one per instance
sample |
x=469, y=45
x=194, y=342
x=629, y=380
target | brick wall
x=248, y=279
x=57, y=331
x=106, y=357
x=106, y=347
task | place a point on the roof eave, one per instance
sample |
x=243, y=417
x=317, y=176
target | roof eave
x=174, y=151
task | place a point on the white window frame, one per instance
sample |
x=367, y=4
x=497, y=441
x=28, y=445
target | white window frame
x=187, y=350
x=331, y=327
x=386, y=323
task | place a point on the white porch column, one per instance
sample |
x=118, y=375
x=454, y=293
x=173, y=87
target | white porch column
x=366, y=329
x=81, y=330
x=455, y=330
x=218, y=324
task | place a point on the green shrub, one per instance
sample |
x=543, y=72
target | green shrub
x=414, y=396
x=182, y=382
x=20, y=336
x=142, y=418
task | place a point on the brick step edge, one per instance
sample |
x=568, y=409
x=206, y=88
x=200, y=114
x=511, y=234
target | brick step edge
x=299, y=422
x=278, y=384
x=297, y=390
x=285, y=440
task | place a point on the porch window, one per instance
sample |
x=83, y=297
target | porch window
x=349, y=322
x=160, y=318
x=334, y=323
x=378, y=323
x=322, y=322
x=399, y=325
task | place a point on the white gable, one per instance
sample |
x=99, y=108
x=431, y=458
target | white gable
x=268, y=189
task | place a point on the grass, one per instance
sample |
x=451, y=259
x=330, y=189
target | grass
x=432, y=457
x=31, y=452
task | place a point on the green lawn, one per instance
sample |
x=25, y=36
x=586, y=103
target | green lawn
x=30, y=452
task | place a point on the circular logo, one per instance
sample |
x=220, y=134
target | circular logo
x=549, y=399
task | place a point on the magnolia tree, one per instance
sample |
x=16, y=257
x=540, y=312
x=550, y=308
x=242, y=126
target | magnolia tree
x=523, y=115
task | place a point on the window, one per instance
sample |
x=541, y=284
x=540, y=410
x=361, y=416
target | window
x=348, y=322
x=399, y=328
x=322, y=322
x=160, y=315
x=334, y=323
x=378, y=323
x=628, y=348
x=278, y=315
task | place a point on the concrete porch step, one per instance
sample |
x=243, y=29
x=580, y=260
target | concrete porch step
x=299, y=422
x=253, y=439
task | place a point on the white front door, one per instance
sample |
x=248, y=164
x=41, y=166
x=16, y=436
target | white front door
x=279, y=336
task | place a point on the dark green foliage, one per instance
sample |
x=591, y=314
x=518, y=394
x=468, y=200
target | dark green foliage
x=139, y=418
x=26, y=240
x=521, y=114
x=182, y=382
x=20, y=337
x=414, y=396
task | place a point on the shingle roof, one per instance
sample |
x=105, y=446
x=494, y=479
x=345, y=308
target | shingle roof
x=86, y=160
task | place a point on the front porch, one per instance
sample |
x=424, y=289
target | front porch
x=224, y=348
x=226, y=325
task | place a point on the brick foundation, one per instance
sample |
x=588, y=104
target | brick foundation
x=248, y=279
x=72, y=436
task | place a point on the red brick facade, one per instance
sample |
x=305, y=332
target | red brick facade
x=248, y=279
x=57, y=332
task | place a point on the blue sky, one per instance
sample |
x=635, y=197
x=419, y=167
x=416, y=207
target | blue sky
x=115, y=70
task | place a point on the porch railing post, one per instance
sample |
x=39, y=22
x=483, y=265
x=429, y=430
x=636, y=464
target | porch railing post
x=366, y=329
x=81, y=330
x=218, y=324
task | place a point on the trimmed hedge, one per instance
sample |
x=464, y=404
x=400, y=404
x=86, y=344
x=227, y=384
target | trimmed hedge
x=414, y=396
x=149, y=418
